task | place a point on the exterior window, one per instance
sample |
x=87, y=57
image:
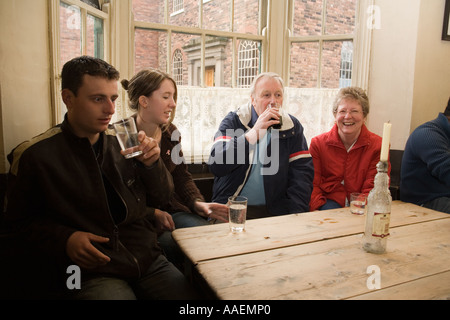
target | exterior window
x=80, y=28
x=178, y=6
x=248, y=61
x=319, y=45
x=210, y=42
x=215, y=49
x=345, y=79
x=178, y=67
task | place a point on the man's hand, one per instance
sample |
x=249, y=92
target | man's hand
x=268, y=118
x=164, y=221
x=79, y=248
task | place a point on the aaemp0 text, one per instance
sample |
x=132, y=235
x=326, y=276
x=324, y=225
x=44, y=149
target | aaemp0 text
x=242, y=309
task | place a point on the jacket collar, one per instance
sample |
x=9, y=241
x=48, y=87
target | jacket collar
x=335, y=140
x=68, y=131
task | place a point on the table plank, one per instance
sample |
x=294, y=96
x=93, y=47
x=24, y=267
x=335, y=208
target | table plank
x=207, y=242
x=435, y=287
x=334, y=268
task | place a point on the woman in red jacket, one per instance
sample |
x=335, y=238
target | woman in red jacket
x=345, y=158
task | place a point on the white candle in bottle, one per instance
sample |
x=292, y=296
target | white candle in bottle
x=386, y=142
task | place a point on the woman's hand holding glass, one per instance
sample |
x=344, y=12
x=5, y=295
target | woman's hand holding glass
x=212, y=210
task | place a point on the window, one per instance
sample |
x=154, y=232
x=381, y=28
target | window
x=248, y=61
x=79, y=29
x=345, y=79
x=329, y=48
x=178, y=67
x=215, y=49
x=206, y=40
x=178, y=6
x=322, y=31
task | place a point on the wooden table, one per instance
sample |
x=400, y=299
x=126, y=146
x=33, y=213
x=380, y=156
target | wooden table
x=319, y=255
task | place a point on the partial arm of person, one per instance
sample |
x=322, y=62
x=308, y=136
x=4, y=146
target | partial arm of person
x=26, y=215
x=230, y=149
x=232, y=143
x=301, y=174
x=153, y=172
x=318, y=198
x=433, y=149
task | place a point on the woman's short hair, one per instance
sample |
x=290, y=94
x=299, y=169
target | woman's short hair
x=353, y=93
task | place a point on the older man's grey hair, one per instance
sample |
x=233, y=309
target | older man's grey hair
x=268, y=75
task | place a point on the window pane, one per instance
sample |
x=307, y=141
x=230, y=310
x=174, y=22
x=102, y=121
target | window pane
x=341, y=16
x=308, y=17
x=216, y=15
x=186, y=17
x=150, y=49
x=187, y=47
x=249, y=57
x=331, y=63
x=346, y=71
x=70, y=32
x=246, y=16
x=304, y=71
x=178, y=67
x=149, y=10
x=94, y=39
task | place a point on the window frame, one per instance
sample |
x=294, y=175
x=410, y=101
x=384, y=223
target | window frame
x=58, y=110
x=177, y=70
x=361, y=38
x=203, y=34
x=250, y=56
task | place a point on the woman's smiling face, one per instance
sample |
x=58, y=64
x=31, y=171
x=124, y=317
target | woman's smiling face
x=349, y=118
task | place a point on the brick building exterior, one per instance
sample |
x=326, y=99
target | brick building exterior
x=151, y=45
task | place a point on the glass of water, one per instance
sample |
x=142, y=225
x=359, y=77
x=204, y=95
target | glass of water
x=237, y=212
x=127, y=134
x=358, y=203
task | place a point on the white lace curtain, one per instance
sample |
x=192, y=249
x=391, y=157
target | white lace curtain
x=200, y=111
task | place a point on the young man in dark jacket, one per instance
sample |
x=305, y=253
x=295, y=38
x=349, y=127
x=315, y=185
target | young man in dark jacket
x=74, y=197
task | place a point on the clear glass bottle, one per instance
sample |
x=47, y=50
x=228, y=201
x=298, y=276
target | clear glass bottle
x=378, y=212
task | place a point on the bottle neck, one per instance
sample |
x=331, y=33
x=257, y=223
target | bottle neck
x=382, y=178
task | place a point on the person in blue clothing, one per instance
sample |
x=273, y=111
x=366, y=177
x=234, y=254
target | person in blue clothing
x=271, y=167
x=425, y=173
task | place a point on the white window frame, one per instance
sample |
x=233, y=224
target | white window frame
x=346, y=68
x=177, y=7
x=58, y=109
x=361, y=38
x=178, y=67
x=204, y=33
x=248, y=56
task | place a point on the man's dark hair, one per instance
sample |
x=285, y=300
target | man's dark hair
x=74, y=70
x=447, y=111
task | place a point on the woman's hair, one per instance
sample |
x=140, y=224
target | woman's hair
x=144, y=83
x=354, y=93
